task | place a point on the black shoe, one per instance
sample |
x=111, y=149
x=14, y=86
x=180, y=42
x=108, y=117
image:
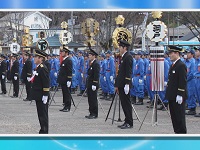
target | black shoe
x=14, y=96
x=126, y=126
x=2, y=93
x=119, y=126
x=26, y=99
x=197, y=115
x=133, y=99
x=81, y=93
x=91, y=117
x=140, y=102
x=190, y=112
x=66, y=110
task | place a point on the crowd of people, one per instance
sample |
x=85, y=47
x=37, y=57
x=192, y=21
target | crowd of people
x=72, y=73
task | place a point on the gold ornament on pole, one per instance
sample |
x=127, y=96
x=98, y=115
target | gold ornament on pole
x=121, y=33
x=90, y=28
x=156, y=14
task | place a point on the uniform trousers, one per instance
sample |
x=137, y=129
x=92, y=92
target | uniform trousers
x=66, y=96
x=177, y=112
x=42, y=111
x=126, y=106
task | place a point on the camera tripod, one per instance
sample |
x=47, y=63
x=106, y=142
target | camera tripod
x=154, y=114
x=82, y=98
x=52, y=96
x=119, y=119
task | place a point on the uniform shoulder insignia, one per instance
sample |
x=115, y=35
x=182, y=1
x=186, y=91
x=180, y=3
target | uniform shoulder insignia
x=41, y=65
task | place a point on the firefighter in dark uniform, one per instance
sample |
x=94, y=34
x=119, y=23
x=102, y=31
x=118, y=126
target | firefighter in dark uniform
x=14, y=73
x=123, y=83
x=48, y=65
x=93, y=84
x=40, y=90
x=176, y=92
x=26, y=74
x=3, y=67
x=65, y=78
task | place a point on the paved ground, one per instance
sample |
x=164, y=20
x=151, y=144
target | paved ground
x=19, y=117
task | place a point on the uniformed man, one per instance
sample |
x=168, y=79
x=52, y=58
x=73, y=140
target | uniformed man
x=93, y=85
x=54, y=72
x=73, y=86
x=190, y=64
x=176, y=92
x=138, y=78
x=103, y=82
x=26, y=74
x=110, y=74
x=40, y=90
x=123, y=83
x=20, y=63
x=80, y=73
x=14, y=73
x=3, y=68
x=65, y=78
x=197, y=76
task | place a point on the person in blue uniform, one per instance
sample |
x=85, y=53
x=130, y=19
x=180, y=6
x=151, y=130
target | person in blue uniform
x=85, y=72
x=166, y=56
x=138, y=78
x=103, y=82
x=32, y=61
x=110, y=69
x=80, y=73
x=20, y=63
x=190, y=64
x=73, y=86
x=132, y=90
x=197, y=76
x=144, y=54
x=148, y=81
x=54, y=72
x=76, y=69
x=176, y=92
x=40, y=90
x=123, y=84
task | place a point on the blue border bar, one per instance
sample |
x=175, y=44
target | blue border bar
x=100, y=4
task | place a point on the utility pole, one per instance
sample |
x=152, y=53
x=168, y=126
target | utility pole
x=144, y=31
x=72, y=25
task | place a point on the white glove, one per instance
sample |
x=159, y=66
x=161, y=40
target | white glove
x=44, y=99
x=126, y=89
x=15, y=77
x=165, y=83
x=81, y=75
x=179, y=99
x=2, y=76
x=145, y=77
x=55, y=74
x=104, y=78
x=68, y=83
x=28, y=79
x=94, y=87
x=35, y=73
x=140, y=80
x=111, y=78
